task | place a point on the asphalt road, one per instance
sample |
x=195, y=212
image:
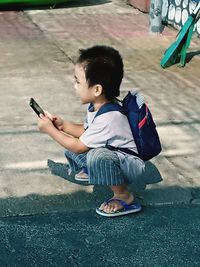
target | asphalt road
x=156, y=237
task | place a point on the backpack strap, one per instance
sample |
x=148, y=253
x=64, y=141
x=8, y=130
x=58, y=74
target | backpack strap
x=114, y=107
x=109, y=107
x=125, y=150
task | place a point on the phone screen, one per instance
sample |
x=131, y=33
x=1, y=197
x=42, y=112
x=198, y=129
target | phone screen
x=34, y=105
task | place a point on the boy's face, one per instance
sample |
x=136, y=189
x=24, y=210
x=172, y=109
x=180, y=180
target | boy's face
x=85, y=92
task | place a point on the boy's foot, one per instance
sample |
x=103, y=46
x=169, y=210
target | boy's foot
x=112, y=205
x=82, y=176
x=116, y=207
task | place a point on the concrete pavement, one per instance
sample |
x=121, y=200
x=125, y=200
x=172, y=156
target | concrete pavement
x=36, y=47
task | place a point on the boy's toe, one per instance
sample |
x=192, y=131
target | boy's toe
x=102, y=207
x=110, y=207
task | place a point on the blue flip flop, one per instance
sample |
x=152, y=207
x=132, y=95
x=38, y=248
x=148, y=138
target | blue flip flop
x=82, y=175
x=127, y=208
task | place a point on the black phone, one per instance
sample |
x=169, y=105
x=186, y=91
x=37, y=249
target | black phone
x=34, y=105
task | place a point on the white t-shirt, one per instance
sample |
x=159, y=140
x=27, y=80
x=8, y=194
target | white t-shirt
x=110, y=128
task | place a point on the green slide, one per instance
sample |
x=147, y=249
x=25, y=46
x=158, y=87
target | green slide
x=32, y=2
x=177, y=50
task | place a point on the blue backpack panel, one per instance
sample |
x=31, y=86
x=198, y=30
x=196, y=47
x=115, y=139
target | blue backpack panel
x=141, y=123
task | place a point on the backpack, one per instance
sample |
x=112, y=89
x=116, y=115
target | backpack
x=141, y=123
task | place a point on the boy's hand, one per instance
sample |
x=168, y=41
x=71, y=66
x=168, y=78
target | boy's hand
x=45, y=125
x=57, y=121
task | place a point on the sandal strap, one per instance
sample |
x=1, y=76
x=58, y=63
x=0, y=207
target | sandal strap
x=122, y=202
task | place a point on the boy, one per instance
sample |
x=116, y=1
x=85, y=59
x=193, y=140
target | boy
x=98, y=75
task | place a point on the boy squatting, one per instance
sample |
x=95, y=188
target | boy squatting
x=98, y=75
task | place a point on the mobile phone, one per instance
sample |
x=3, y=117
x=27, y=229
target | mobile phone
x=34, y=105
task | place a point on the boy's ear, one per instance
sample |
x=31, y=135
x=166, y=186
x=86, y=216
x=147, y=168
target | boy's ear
x=98, y=90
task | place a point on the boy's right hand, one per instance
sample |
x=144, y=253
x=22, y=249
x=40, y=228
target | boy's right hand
x=57, y=121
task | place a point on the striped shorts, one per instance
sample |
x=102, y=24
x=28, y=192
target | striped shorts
x=103, y=165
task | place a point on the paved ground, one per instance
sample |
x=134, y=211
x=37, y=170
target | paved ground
x=36, y=51
x=156, y=237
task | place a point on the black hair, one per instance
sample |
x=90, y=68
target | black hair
x=103, y=65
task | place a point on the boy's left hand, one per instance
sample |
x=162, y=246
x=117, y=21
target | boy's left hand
x=45, y=124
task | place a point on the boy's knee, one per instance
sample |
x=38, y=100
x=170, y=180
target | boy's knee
x=99, y=156
x=95, y=155
x=67, y=153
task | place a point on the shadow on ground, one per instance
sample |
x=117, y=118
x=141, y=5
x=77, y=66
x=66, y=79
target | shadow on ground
x=79, y=201
x=150, y=176
x=190, y=55
x=177, y=60
x=80, y=198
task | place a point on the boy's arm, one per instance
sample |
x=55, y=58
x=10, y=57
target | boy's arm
x=69, y=142
x=73, y=129
x=68, y=127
